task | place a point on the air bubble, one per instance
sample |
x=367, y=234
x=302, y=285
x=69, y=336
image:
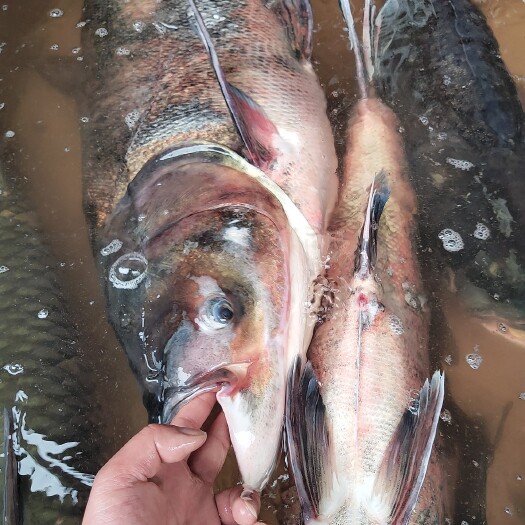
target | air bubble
x=54, y=47
x=42, y=314
x=9, y=134
x=423, y=120
x=481, y=232
x=474, y=360
x=4, y=269
x=76, y=50
x=139, y=26
x=56, y=13
x=14, y=369
x=114, y=246
x=128, y=271
x=396, y=325
x=508, y=511
x=442, y=135
x=464, y=165
x=446, y=416
x=122, y=51
x=452, y=241
x=446, y=80
x=522, y=396
x=101, y=32
x=448, y=359
x=132, y=118
x=84, y=119
x=81, y=24
x=502, y=328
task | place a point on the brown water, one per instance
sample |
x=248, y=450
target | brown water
x=40, y=72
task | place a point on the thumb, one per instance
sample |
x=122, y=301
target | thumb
x=142, y=456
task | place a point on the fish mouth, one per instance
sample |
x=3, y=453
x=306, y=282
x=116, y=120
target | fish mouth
x=226, y=379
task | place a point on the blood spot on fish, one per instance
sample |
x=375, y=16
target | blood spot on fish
x=362, y=300
x=452, y=241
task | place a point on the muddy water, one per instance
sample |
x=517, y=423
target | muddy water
x=41, y=81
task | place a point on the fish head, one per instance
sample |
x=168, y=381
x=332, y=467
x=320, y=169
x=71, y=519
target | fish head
x=212, y=250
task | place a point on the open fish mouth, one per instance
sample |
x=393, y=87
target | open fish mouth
x=224, y=379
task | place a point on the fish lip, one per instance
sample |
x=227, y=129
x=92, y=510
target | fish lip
x=222, y=378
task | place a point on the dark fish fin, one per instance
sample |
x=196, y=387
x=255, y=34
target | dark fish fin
x=366, y=253
x=404, y=466
x=356, y=46
x=253, y=126
x=10, y=499
x=307, y=438
x=297, y=18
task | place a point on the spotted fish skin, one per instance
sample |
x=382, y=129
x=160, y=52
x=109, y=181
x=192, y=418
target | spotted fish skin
x=153, y=73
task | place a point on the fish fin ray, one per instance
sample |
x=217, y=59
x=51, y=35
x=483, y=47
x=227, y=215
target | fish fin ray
x=297, y=19
x=253, y=126
x=366, y=252
x=404, y=466
x=308, y=439
x=356, y=46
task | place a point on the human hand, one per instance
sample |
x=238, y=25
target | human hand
x=165, y=475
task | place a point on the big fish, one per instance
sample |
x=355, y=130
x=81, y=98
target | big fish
x=361, y=414
x=50, y=431
x=464, y=130
x=210, y=174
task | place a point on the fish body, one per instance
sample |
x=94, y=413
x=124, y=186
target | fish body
x=439, y=67
x=376, y=413
x=50, y=435
x=208, y=218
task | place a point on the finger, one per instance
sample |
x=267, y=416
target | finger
x=234, y=509
x=209, y=459
x=194, y=414
x=141, y=458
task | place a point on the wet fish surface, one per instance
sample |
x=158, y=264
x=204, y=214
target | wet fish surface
x=439, y=67
x=362, y=413
x=49, y=446
x=208, y=217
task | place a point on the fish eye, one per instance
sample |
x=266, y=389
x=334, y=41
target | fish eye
x=216, y=313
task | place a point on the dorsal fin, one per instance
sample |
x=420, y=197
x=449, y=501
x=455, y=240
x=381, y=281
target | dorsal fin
x=356, y=46
x=297, y=18
x=367, y=248
x=254, y=128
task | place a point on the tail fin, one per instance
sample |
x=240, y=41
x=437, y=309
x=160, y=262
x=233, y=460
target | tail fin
x=367, y=248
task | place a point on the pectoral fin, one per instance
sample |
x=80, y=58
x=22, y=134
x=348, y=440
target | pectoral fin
x=297, y=18
x=255, y=129
x=307, y=438
x=403, y=470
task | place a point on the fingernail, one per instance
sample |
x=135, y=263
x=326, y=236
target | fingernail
x=251, y=508
x=191, y=431
x=247, y=497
